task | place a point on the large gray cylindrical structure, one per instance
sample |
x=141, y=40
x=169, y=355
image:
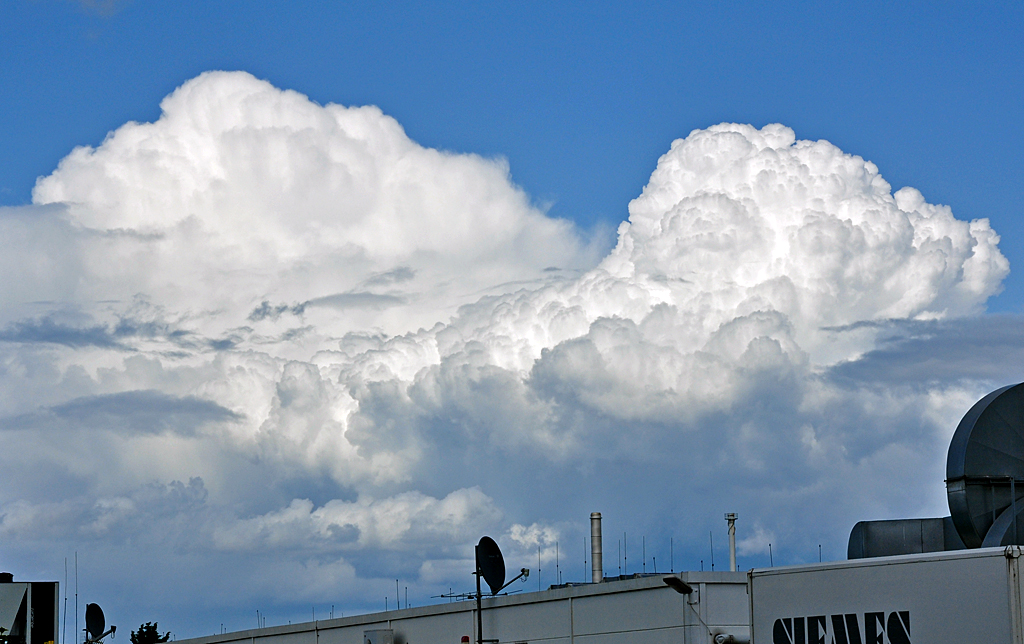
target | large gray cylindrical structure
x=596, y=548
x=985, y=470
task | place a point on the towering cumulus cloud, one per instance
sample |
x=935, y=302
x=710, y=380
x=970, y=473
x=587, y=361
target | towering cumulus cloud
x=265, y=330
x=242, y=194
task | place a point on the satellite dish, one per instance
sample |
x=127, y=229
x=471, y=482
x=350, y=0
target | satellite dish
x=985, y=470
x=490, y=564
x=94, y=621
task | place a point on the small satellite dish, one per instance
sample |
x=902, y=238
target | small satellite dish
x=95, y=623
x=490, y=564
x=985, y=470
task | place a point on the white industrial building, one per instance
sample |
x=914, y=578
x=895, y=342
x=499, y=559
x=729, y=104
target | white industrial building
x=637, y=610
x=961, y=597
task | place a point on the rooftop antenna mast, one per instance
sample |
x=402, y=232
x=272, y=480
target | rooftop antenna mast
x=558, y=569
x=711, y=536
x=490, y=566
x=64, y=630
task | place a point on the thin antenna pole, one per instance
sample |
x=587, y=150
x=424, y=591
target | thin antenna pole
x=407, y=597
x=398, y=598
x=712, y=537
x=558, y=570
x=643, y=541
x=538, y=567
x=64, y=629
x=76, y=596
x=771, y=560
x=819, y=553
x=655, y=560
x=625, y=556
x=618, y=549
x=584, y=558
x=479, y=605
x=671, y=556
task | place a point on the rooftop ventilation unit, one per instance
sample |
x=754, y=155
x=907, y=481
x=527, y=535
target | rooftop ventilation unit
x=985, y=470
x=984, y=487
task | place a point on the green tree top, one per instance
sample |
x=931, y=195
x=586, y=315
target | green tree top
x=148, y=634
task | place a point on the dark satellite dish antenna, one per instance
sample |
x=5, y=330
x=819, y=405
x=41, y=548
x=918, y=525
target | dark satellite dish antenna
x=985, y=470
x=490, y=566
x=95, y=623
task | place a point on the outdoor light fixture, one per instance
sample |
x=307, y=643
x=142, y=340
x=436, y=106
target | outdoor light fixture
x=678, y=585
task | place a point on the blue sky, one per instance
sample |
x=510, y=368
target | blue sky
x=582, y=98
x=279, y=353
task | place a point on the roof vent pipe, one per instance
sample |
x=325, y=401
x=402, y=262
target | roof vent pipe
x=596, y=549
x=731, y=518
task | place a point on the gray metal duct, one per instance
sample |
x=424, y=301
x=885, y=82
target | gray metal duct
x=985, y=470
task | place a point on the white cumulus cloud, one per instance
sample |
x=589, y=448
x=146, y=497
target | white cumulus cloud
x=249, y=202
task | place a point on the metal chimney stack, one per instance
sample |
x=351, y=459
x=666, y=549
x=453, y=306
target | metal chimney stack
x=731, y=518
x=596, y=549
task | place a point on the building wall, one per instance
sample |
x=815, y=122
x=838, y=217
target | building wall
x=629, y=611
x=957, y=597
